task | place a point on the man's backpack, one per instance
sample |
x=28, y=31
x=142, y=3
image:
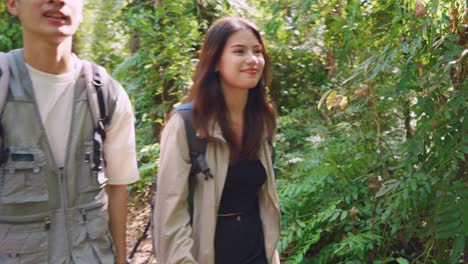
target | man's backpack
x=197, y=150
x=97, y=98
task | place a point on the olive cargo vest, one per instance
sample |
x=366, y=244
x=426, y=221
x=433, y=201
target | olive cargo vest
x=50, y=214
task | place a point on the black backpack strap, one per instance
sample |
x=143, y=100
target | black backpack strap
x=104, y=116
x=97, y=97
x=197, y=146
x=197, y=149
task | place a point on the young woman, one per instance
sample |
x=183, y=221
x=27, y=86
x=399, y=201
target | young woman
x=235, y=216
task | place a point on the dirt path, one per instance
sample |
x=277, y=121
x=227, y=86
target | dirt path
x=137, y=219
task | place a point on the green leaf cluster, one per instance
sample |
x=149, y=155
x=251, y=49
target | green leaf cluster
x=164, y=37
x=10, y=30
x=383, y=176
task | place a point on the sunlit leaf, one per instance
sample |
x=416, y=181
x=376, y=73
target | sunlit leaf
x=323, y=98
x=344, y=102
x=402, y=261
x=331, y=99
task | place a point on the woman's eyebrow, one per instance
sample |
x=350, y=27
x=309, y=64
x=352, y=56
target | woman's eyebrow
x=243, y=46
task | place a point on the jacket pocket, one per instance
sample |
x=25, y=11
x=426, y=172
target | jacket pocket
x=23, y=177
x=89, y=179
x=94, y=236
x=24, y=243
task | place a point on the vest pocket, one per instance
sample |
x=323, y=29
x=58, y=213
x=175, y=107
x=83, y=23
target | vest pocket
x=24, y=243
x=23, y=177
x=94, y=235
x=90, y=180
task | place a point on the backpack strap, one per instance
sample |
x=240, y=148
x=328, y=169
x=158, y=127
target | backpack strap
x=4, y=79
x=4, y=87
x=97, y=92
x=197, y=150
x=197, y=146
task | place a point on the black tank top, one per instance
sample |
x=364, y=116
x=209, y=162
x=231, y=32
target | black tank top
x=239, y=238
x=243, y=181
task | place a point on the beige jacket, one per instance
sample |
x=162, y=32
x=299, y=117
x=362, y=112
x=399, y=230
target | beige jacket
x=176, y=241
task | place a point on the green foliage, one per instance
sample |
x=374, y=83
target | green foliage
x=164, y=39
x=160, y=71
x=377, y=173
x=395, y=142
x=318, y=202
x=99, y=37
x=10, y=30
x=147, y=165
x=371, y=146
x=296, y=52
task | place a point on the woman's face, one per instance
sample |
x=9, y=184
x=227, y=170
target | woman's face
x=241, y=63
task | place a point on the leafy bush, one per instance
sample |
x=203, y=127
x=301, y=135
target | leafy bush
x=10, y=30
x=387, y=180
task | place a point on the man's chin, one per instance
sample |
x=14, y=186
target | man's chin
x=58, y=39
x=60, y=36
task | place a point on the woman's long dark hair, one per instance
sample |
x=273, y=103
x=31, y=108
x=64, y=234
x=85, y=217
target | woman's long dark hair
x=206, y=94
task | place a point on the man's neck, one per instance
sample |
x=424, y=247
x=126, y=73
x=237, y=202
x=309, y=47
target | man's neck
x=53, y=58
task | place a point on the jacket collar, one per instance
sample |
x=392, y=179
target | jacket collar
x=216, y=133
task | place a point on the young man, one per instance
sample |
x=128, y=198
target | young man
x=58, y=202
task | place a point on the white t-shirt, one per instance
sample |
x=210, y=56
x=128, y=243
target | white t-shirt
x=54, y=95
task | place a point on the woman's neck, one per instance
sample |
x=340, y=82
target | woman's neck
x=236, y=100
